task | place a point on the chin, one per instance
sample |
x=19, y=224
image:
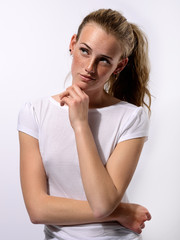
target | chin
x=82, y=85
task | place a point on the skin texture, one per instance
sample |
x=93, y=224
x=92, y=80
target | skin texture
x=45, y=209
x=96, y=55
x=104, y=187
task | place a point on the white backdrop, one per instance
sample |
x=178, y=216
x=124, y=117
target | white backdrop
x=34, y=60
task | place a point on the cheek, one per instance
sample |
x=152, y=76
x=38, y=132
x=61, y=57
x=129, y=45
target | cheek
x=76, y=62
x=105, y=72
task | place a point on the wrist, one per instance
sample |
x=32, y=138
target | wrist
x=119, y=212
x=80, y=127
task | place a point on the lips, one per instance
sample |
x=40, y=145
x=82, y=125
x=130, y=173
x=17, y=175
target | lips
x=87, y=77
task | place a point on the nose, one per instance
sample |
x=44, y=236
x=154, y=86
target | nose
x=91, y=66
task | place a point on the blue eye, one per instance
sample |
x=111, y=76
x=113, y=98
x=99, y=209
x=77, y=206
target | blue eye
x=84, y=50
x=104, y=60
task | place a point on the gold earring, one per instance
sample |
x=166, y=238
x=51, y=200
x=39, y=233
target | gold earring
x=116, y=75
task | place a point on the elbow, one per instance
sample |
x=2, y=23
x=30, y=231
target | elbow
x=105, y=208
x=100, y=214
x=37, y=213
x=35, y=216
x=103, y=211
x=37, y=209
x=35, y=220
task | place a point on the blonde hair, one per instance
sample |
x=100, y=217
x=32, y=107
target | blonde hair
x=131, y=84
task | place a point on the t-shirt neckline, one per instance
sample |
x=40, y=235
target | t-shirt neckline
x=90, y=109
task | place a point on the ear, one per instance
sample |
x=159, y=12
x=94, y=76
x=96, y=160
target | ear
x=73, y=42
x=121, y=65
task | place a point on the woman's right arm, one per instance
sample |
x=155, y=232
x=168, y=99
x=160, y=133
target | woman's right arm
x=45, y=209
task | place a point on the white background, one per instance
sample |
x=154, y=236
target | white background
x=34, y=60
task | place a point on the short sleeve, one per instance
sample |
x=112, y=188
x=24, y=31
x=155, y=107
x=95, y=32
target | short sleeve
x=27, y=121
x=137, y=126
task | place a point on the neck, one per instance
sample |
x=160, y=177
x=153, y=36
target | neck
x=97, y=99
x=100, y=100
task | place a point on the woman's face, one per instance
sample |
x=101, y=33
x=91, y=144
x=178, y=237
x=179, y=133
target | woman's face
x=96, y=55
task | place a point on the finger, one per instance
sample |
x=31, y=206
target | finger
x=65, y=100
x=142, y=225
x=62, y=103
x=70, y=91
x=139, y=230
x=63, y=94
x=79, y=91
x=82, y=94
x=68, y=94
x=73, y=93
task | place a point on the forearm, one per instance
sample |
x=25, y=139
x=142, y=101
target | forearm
x=62, y=211
x=41, y=207
x=104, y=186
x=99, y=187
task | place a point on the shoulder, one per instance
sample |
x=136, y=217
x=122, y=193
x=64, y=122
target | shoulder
x=31, y=116
x=40, y=102
x=128, y=107
x=39, y=105
x=127, y=110
x=133, y=113
x=135, y=122
x=34, y=108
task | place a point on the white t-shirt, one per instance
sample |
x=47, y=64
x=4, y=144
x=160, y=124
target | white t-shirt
x=49, y=122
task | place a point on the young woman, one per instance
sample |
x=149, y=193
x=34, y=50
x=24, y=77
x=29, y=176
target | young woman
x=79, y=149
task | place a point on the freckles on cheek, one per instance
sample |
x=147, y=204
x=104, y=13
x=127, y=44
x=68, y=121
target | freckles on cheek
x=76, y=63
x=106, y=74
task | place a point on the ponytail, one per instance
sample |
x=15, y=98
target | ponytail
x=131, y=84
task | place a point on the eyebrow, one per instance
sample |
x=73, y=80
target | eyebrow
x=91, y=49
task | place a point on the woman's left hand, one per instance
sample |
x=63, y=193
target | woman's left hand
x=78, y=103
x=132, y=216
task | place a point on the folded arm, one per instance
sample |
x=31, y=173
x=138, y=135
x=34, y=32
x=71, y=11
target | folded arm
x=45, y=209
x=41, y=207
x=104, y=185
